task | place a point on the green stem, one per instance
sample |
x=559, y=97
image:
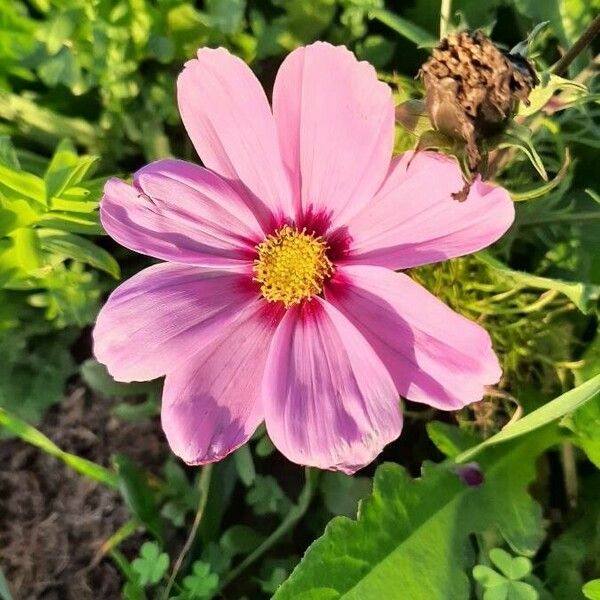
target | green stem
x=445, y=11
x=293, y=516
x=203, y=488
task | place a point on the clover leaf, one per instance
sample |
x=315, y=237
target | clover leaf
x=151, y=565
x=505, y=585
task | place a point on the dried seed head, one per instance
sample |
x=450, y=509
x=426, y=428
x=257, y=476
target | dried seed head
x=472, y=88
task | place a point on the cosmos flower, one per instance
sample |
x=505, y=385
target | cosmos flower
x=279, y=301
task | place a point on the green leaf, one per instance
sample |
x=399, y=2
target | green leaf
x=513, y=567
x=550, y=412
x=33, y=436
x=202, y=583
x=575, y=553
x=97, y=377
x=584, y=296
x=78, y=248
x=487, y=577
x=8, y=155
x=240, y=539
x=449, y=439
x=25, y=185
x=591, y=589
x=519, y=136
x=265, y=496
x=404, y=27
x=342, y=493
x=411, y=534
x=585, y=422
x=541, y=94
x=139, y=497
x=66, y=168
x=245, y=465
x=151, y=565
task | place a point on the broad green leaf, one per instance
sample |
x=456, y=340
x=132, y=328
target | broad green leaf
x=411, y=534
x=584, y=296
x=404, y=27
x=33, y=436
x=591, y=589
x=550, y=412
x=342, y=493
x=78, y=248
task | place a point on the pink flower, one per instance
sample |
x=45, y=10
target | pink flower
x=279, y=301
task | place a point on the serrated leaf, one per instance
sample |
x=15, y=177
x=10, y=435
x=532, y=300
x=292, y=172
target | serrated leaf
x=411, y=535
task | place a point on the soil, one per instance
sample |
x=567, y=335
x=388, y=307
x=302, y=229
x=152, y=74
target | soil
x=52, y=520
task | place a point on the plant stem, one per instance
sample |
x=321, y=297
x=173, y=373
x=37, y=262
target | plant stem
x=445, y=11
x=586, y=37
x=294, y=515
x=203, y=487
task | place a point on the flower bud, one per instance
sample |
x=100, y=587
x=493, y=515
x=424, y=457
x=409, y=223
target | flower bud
x=473, y=89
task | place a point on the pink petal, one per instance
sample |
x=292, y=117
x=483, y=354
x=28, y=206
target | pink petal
x=329, y=402
x=413, y=219
x=211, y=403
x=228, y=118
x=434, y=355
x=336, y=129
x=183, y=213
x=153, y=322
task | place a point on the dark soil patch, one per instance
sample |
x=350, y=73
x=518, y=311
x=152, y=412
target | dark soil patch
x=52, y=520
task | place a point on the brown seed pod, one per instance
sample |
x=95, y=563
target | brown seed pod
x=472, y=89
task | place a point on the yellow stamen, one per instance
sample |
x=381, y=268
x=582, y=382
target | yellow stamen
x=292, y=265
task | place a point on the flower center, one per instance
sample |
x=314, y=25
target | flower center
x=292, y=265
